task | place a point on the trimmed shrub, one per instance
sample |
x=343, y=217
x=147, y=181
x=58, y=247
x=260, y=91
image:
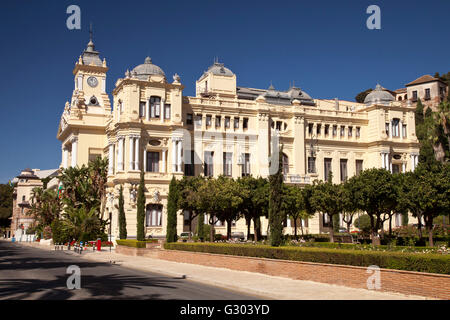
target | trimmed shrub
x=135, y=243
x=432, y=263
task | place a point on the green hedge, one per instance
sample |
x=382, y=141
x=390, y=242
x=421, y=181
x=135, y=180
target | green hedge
x=433, y=263
x=135, y=243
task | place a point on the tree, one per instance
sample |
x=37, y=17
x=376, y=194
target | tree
x=362, y=95
x=349, y=206
x=328, y=198
x=429, y=195
x=190, y=197
x=293, y=205
x=172, y=198
x=228, y=196
x=122, y=217
x=276, y=213
x=374, y=193
x=201, y=226
x=255, y=201
x=363, y=223
x=6, y=201
x=46, y=207
x=141, y=209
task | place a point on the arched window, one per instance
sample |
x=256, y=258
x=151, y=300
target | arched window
x=155, y=107
x=285, y=164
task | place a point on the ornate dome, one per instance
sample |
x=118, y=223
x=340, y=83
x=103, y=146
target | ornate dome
x=379, y=96
x=146, y=69
x=218, y=69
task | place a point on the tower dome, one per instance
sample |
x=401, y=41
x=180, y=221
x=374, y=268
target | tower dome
x=379, y=96
x=143, y=71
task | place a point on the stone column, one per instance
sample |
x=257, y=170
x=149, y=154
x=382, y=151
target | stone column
x=147, y=110
x=120, y=156
x=65, y=157
x=390, y=162
x=400, y=127
x=111, y=159
x=390, y=129
x=136, y=154
x=383, y=161
x=403, y=167
x=163, y=167
x=74, y=151
x=144, y=155
x=162, y=109
x=174, y=155
x=180, y=143
x=131, y=153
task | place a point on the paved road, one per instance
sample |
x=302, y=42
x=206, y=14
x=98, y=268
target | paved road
x=30, y=273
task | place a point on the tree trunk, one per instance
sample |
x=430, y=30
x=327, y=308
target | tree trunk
x=229, y=221
x=331, y=230
x=419, y=227
x=255, y=227
x=211, y=231
x=295, y=229
x=249, y=221
x=390, y=225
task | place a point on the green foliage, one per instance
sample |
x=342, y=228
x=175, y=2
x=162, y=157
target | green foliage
x=293, y=204
x=60, y=234
x=135, y=243
x=122, y=217
x=171, y=233
x=362, y=95
x=363, y=223
x=201, y=226
x=6, y=202
x=141, y=210
x=82, y=224
x=432, y=263
x=276, y=212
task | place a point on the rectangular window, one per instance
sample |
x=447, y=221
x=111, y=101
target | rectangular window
x=427, y=94
x=311, y=164
x=334, y=130
x=167, y=111
x=343, y=165
x=342, y=131
x=245, y=123
x=155, y=103
x=395, y=168
x=350, y=131
x=153, y=215
x=359, y=166
x=246, y=165
x=358, y=132
x=326, y=221
x=327, y=168
x=218, y=124
x=227, y=122
x=189, y=163
x=236, y=123
x=278, y=125
x=310, y=128
x=208, y=120
x=227, y=163
x=141, y=109
x=189, y=118
x=209, y=163
x=327, y=129
x=318, y=128
x=414, y=98
x=395, y=127
x=152, y=161
x=198, y=119
x=387, y=128
x=404, y=131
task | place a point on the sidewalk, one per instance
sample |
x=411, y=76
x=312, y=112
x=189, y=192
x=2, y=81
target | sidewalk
x=264, y=286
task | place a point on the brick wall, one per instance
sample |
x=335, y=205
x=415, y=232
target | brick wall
x=405, y=282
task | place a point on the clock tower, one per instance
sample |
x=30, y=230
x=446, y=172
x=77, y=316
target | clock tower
x=82, y=129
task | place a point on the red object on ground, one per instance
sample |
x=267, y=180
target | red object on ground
x=99, y=245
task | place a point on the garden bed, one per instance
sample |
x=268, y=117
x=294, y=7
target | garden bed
x=430, y=262
x=135, y=243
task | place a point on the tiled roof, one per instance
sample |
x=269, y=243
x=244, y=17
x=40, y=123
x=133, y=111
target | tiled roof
x=423, y=79
x=401, y=90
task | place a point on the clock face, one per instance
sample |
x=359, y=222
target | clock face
x=92, y=81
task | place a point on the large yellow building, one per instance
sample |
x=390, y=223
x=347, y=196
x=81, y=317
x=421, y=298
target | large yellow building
x=224, y=129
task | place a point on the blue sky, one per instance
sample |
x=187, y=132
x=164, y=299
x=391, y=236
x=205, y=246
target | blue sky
x=324, y=46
